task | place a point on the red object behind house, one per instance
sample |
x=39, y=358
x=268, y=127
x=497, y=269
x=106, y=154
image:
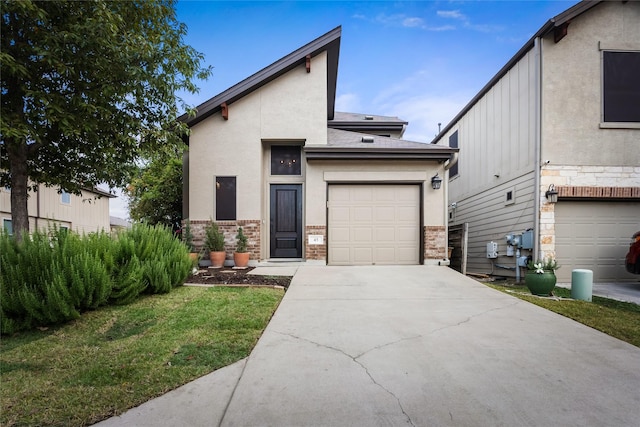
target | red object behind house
x=633, y=256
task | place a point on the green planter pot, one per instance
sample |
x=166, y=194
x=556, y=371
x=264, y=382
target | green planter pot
x=540, y=283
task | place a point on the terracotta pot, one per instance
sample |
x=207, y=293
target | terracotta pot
x=194, y=257
x=241, y=259
x=217, y=259
x=540, y=283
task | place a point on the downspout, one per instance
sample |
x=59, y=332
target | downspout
x=448, y=165
x=38, y=206
x=537, y=145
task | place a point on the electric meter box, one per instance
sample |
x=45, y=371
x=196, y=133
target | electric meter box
x=492, y=250
x=526, y=242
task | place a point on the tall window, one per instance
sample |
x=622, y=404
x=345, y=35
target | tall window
x=225, y=198
x=285, y=160
x=621, y=86
x=65, y=198
x=453, y=143
x=8, y=226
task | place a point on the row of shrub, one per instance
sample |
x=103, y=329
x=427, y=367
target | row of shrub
x=52, y=277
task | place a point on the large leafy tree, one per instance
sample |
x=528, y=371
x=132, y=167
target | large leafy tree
x=155, y=193
x=87, y=88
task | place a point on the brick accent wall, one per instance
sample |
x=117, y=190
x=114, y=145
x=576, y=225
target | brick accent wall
x=251, y=229
x=582, y=192
x=435, y=242
x=315, y=252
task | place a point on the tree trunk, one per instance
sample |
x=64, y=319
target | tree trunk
x=19, y=185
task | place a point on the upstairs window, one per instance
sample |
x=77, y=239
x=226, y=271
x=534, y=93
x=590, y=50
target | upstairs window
x=285, y=160
x=621, y=86
x=65, y=198
x=453, y=143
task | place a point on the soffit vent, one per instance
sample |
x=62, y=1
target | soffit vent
x=368, y=117
x=368, y=139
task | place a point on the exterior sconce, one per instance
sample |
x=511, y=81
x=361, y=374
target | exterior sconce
x=552, y=194
x=436, y=182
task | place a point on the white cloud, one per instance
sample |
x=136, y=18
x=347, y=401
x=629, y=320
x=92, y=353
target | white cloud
x=119, y=206
x=418, y=99
x=456, y=14
x=348, y=102
x=413, y=22
x=452, y=14
x=402, y=20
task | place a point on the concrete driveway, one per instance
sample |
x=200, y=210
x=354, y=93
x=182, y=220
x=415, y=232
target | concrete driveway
x=416, y=345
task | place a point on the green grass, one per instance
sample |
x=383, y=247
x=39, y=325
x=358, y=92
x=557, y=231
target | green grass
x=616, y=318
x=116, y=358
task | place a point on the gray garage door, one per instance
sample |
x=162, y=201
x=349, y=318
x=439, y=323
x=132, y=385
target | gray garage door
x=595, y=236
x=374, y=224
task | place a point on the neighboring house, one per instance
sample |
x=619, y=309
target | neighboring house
x=119, y=224
x=270, y=154
x=48, y=207
x=564, y=113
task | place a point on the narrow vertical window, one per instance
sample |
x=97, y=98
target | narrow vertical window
x=65, y=198
x=225, y=198
x=453, y=143
x=8, y=226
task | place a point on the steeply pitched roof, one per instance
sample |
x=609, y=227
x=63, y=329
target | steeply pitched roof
x=347, y=145
x=558, y=25
x=329, y=42
x=368, y=122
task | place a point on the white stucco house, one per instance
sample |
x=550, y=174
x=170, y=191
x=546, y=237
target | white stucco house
x=305, y=182
x=563, y=115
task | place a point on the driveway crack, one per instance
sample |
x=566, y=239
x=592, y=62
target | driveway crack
x=468, y=319
x=364, y=368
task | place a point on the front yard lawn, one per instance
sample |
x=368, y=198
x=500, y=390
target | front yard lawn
x=118, y=357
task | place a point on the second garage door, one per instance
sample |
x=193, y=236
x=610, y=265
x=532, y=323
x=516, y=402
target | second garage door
x=374, y=224
x=595, y=236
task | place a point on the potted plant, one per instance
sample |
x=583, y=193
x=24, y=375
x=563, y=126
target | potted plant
x=241, y=256
x=540, y=277
x=214, y=243
x=187, y=238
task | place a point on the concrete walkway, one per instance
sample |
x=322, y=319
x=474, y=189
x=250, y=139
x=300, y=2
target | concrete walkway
x=621, y=291
x=416, y=345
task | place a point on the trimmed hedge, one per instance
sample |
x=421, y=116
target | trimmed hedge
x=51, y=278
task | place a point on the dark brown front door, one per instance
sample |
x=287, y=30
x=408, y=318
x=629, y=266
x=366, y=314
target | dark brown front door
x=286, y=221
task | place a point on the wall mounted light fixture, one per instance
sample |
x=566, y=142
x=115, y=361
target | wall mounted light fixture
x=552, y=194
x=436, y=182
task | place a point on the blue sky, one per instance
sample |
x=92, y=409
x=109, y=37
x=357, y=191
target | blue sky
x=421, y=61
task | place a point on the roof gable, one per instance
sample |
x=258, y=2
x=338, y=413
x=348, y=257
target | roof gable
x=329, y=42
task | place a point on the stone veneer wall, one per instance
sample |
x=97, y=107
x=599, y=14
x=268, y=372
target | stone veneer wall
x=251, y=229
x=585, y=182
x=435, y=242
x=315, y=252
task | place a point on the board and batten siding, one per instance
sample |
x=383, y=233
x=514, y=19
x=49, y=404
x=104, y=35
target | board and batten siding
x=490, y=220
x=497, y=135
